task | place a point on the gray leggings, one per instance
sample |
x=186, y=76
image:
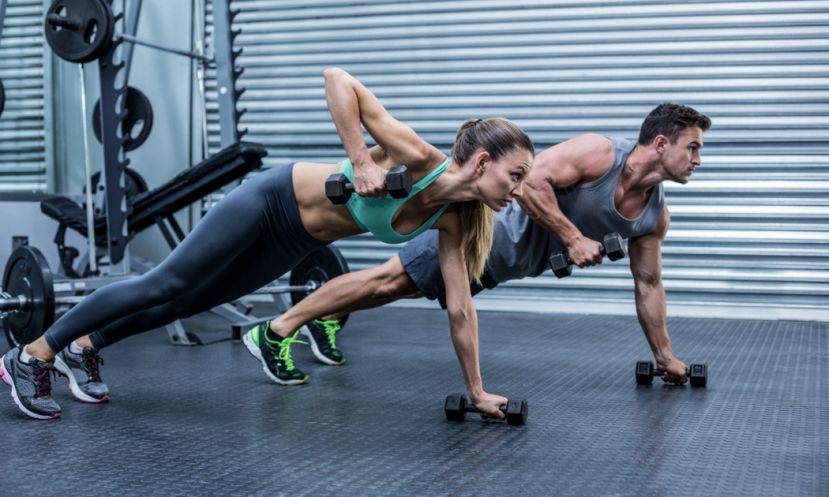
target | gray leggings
x=251, y=237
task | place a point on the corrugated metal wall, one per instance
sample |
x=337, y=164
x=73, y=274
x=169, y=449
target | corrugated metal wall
x=23, y=144
x=751, y=229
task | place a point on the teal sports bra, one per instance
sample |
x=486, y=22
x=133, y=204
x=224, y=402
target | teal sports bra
x=375, y=214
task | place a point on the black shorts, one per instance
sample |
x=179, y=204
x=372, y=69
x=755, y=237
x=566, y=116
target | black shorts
x=420, y=260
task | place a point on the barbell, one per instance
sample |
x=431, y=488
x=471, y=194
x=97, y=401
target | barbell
x=28, y=301
x=83, y=30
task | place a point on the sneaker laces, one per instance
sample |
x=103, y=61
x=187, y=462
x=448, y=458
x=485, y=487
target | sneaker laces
x=43, y=382
x=331, y=327
x=92, y=363
x=284, y=353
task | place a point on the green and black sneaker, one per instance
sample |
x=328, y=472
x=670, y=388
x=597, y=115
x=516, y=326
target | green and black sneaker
x=275, y=355
x=322, y=336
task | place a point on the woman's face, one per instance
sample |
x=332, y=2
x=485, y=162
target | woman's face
x=500, y=181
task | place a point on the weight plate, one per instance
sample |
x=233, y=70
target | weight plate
x=138, y=123
x=319, y=266
x=2, y=97
x=27, y=273
x=79, y=30
x=133, y=184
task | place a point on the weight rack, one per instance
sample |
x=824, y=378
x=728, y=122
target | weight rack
x=113, y=81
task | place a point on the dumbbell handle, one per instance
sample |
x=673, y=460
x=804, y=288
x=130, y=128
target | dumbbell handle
x=659, y=372
x=570, y=261
x=349, y=187
x=64, y=22
x=470, y=407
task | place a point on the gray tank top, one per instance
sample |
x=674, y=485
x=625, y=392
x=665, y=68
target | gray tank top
x=522, y=248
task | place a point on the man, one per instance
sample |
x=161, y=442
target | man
x=577, y=191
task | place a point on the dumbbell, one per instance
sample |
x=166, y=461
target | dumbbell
x=613, y=246
x=398, y=183
x=457, y=405
x=645, y=371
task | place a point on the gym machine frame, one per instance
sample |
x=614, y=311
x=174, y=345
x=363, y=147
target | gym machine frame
x=112, y=90
x=2, y=88
x=29, y=296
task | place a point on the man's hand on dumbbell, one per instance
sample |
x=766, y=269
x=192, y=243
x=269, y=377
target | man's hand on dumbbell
x=513, y=410
x=613, y=246
x=369, y=179
x=674, y=370
x=490, y=405
x=585, y=252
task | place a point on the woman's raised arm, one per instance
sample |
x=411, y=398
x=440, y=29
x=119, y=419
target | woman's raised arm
x=351, y=103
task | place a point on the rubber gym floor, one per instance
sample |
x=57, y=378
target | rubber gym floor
x=206, y=421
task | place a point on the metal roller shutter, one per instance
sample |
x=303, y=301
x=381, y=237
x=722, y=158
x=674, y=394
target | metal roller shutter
x=23, y=148
x=749, y=233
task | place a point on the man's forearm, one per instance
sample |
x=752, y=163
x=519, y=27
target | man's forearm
x=652, y=314
x=559, y=225
x=540, y=203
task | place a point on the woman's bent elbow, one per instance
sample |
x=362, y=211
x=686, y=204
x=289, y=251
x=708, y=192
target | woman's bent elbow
x=459, y=313
x=333, y=73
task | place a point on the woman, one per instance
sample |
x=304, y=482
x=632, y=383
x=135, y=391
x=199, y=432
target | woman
x=267, y=225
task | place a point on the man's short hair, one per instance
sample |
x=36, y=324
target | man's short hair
x=670, y=120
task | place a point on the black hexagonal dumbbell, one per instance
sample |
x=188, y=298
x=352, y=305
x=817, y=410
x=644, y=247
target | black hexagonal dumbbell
x=613, y=246
x=398, y=183
x=457, y=405
x=645, y=371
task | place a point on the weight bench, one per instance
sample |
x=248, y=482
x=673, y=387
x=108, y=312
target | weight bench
x=157, y=207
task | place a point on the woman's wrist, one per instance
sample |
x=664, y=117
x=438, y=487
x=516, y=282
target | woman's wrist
x=360, y=157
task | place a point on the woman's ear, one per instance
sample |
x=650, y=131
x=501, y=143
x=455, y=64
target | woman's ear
x=482, y=160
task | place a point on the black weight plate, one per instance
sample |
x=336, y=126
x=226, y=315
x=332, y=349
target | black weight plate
x=133, y=184
x=139, y=110
x=320, y=266
x=89, y=38
x=2, y=97
x=27, y=273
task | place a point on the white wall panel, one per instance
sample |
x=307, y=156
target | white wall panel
x=749, y=233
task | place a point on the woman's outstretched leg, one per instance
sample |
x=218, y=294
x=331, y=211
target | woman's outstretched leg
x=233, y=225
x=226, y=231
x=80, y=362
x=251, y=270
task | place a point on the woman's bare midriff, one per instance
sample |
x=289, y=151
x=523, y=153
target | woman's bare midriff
x=321, y=218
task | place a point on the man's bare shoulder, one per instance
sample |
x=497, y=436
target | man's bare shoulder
x=589, y=156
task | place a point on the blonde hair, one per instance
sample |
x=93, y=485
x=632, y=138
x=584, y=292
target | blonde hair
x=498, y=136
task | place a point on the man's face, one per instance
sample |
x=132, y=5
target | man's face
x=681, y=158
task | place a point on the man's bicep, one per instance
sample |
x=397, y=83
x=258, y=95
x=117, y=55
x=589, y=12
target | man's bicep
x=645, y=252
x=645, y=259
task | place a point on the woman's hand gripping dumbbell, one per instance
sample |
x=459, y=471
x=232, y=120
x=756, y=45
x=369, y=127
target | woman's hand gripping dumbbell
x=398, y=183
